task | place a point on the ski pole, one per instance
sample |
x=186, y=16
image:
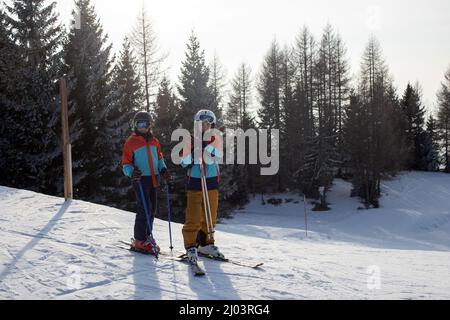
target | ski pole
x=169, y=214
x=207, y=208
x=149, y=224
x=207, y=205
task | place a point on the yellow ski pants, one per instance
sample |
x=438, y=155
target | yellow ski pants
x=195, y=222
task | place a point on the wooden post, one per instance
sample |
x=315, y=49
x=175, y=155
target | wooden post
x=67, y=147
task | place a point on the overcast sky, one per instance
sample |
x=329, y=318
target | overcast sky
x=414, y=34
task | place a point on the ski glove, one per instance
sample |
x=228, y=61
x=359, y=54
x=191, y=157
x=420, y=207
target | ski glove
x=136, y=176
x=165, y=174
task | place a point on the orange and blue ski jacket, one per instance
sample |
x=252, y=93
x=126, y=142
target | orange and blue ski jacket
x=145, y=155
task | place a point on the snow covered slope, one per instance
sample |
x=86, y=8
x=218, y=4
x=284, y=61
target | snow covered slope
x=49, y=249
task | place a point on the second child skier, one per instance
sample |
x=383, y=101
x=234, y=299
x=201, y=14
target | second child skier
x=195, y=229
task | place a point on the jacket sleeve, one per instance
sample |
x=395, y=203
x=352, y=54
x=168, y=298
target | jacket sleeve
x=127, y=160
x=215, y=150
x=161, y=163
x=186, y=161
x=186, y=154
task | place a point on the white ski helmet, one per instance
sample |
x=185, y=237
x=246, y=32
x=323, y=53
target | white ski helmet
x=206, y=115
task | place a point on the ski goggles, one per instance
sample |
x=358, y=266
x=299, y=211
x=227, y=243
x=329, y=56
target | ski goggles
x=142, y=124
x=206, y=118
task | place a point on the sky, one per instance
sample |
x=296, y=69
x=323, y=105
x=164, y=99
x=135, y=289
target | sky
x=414, y=34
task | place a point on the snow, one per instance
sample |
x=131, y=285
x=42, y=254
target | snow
x=55, y=250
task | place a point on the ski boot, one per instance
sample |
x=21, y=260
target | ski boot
x=145, y=247
x=192, y=255
x=211, y=251
x=192, y=259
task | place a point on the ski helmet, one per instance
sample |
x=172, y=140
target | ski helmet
x=141, y=120
x=206, y=116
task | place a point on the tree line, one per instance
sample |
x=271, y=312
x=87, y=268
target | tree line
x=330, y=125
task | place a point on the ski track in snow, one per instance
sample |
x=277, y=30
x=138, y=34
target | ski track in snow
x=56, y=250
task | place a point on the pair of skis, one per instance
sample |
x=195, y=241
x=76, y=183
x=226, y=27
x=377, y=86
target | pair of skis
x=197, y=270
x=238, y=263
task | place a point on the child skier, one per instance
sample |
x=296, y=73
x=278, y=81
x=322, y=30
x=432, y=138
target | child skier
x=195, y=230
x=143, y=162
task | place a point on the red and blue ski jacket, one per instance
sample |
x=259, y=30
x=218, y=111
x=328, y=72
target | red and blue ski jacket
x=145, y=155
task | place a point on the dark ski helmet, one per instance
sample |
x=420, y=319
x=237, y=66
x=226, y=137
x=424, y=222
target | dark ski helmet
x=143, y=119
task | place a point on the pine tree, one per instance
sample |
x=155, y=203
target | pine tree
x=233, y=112
x=166, y=120
x=356, y=141
x=270, y=89
x=300, y=125
x=8, y=75
x=305, y=53
x=90, y=78
x=413, y=113
x=372, y=135
x=341, y=95
x=238, y=111
x=298, y=128
x=326, y=105
x=149, y=56
x=431, y=145
x=322, y=155
x=443, y=119
x=126, y=102
x=217, y=84
x=34, y=153
x=239, y=117
x=9, y=64
x=166, y=115
x=323, y=147
x=342, y=83
x=332, y=81
x=194, y=91
x=289, y=145
x=127, y=91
